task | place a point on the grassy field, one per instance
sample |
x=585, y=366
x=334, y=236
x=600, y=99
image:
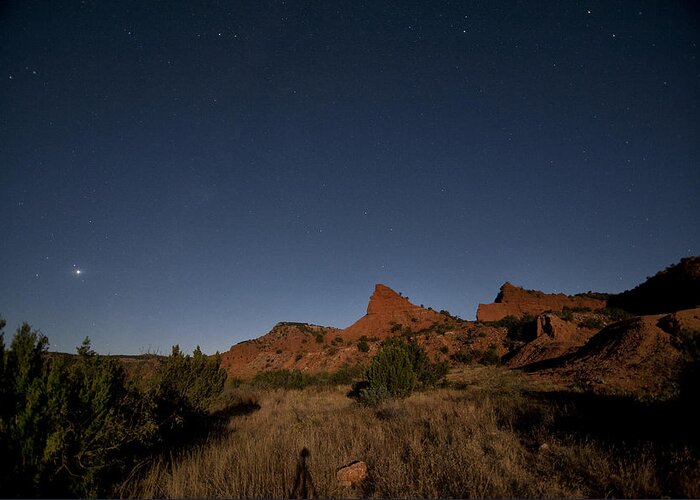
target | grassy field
x=491, y=433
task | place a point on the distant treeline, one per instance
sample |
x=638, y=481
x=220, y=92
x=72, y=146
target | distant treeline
x=75, y=426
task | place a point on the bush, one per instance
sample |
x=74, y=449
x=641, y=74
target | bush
x=187, y=385
x=491, y=357
x=72, y=426
x=363, y=346
x=488, y=357
x=392, y=369
x=68, y=427
x=400, y=367
x=518, y=328
x=463, y=357
x=374, y=395
x=102, y=423
x=593, y=323
x=281, y=379
x=615, y=314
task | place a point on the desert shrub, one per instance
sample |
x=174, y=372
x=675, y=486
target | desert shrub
x=25, y=421
x=396, y=327
x=463, y=357
x=392, y=369
x=296, y=379
x=593, y=323
x=184, y=388
x=444, y=349
x=74, y=425
x=68, y=427
x=319, y=338
x=101, y=424
x=375, y=395
x=429, y=374
x=400, y=367
x=344, y=375
x=491, y=357
x=566, y=314
x=281, y=379
x=488, y=357
x=615, y=314
x=518, y=328
x=363, y=346
x=298, y=356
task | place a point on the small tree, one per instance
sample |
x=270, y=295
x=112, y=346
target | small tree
x=99, y=423
x=398, y=368
x=392, y=369
x=25, y=418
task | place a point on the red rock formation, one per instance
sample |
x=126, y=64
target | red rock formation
x=555, y=337
x=316, y=348
x=387, y=308
x=516, y=301
x=632, y=356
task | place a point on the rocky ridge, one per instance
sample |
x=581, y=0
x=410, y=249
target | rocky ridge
x=570, y=340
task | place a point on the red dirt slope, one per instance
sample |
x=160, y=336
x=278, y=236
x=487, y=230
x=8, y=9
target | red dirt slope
x=632, y=356
x=555, y=337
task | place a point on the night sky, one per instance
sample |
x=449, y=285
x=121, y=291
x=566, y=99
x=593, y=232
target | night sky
x=194, y=172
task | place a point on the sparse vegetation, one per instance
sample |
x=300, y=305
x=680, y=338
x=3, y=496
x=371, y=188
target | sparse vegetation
x=518, y=328
x=515, y=445
x=477, y=356
x=594, y=323
x=615, y=314
x=296, y=379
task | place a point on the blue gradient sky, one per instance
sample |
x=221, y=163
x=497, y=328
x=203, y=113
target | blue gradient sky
x=213, y=168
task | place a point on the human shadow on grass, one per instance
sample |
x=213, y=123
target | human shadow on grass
x=303, y=482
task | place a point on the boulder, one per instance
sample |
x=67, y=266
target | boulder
x=352, y=474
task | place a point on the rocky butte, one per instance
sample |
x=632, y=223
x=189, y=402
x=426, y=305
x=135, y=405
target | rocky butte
x=516, y=301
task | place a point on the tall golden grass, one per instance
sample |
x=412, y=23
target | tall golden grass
x=464, y=442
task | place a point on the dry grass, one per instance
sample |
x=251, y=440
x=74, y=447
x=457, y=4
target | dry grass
x=444, y=443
